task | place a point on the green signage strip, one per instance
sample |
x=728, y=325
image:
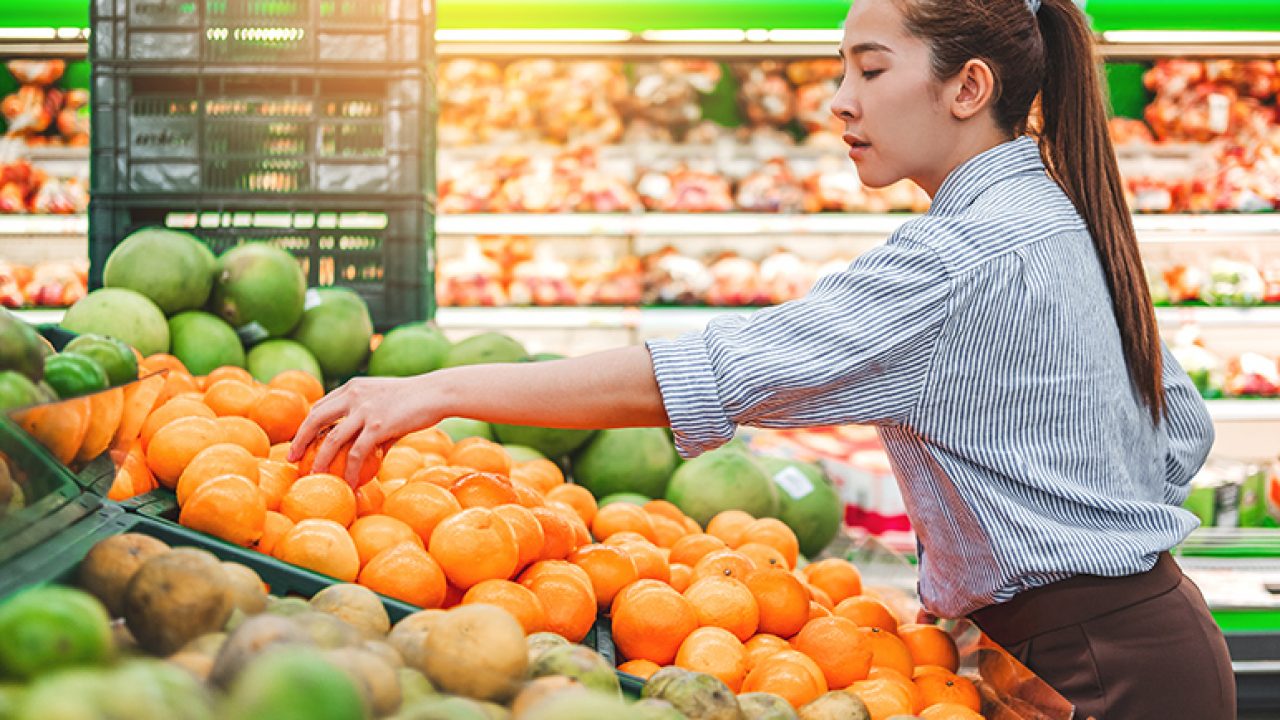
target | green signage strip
x=1248, y=621
x=1219, y=15
x=46, y=13
x=640, y=15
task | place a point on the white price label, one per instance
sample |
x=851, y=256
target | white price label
x=793, y=482
x=1219, y=113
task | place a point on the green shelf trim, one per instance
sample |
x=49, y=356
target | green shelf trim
x=1247, y=621
x=641, y=15
x=1222, y=15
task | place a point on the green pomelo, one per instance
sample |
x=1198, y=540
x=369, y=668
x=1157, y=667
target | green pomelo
x=294, y=684
x=169, y=267
x=16, y=391
x=259, y=289
x=579, y=706
x=626, y=460
x=268, y=359
x=111, y=354
x=722, y=479
x=443, y=708
x=580, y=663
x=523, y=453
x=72, y=375
x=409, y=350
x=490, y=347
x=835, y=704
x=459, y=428
x=204, y=342
x=697, y=695
x=656, y=709
x=70, y=695
x=21, y=347
x=633, y=498
x=147, y=689
x=336, y=328
x=45, y=628
x=766, y=706
x=807, y=502
x=122, y=314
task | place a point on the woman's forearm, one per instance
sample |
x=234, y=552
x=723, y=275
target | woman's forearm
x=609, y=389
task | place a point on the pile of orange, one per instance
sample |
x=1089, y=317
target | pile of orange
x=731, y=603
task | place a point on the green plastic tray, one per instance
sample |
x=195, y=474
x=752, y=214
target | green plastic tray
x=53, y=499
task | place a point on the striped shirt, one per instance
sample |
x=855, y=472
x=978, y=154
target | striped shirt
x=981, y=341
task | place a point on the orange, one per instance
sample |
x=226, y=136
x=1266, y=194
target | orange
x=301, y=382
x=666, y=509
x=681, y=577
x=376, y=533
x=280, y=413
x=229, y=372
x=922, y=670
x=170, y=411
x=427, y=441
x=400, y=463
x=279, y=452
x=274, y=480
x=838, y=647
x=569, y=604
x=338, y=465
x=610, y=569
x=405, y=572
x=133, y=477
x=729, y=525
x=716, y=652
x=320, y=545
x=369, y=498
x=421, y=506
x=761, y=646
x=543, y=475
x=879, y=672
x=838, y=578
x=888, y=651
x=726, y=603
x=529, y=535
x=232, y=397
x=620, y=517
x=177, y=384
x=175, y=444
x=643, y=669
x=949, y=711
x=817, y=611
x=161, y=361
x=556, y=567
x=576, y=497
x=783, y=601
x=473, y=545
x=227, y=506
x=527, y=496
x=786, y=676
x=930, y=645
x=935, y=689
x=867, y=612
x=626, y=538
x=482, y=489
x=217, y=459
x=516, y=599
x=689, y=549
x=667, y=531
x=764, y=556
x=443, y=475
x=273, y=528
x=649, y=560
x=883, y=697
x=558, y=540
x=817, y=595
x=390, y=486
x=245, y=433
x=724, y=563
x=480, y=454
x=320, y=496
x=774, y=533
x=651, y=621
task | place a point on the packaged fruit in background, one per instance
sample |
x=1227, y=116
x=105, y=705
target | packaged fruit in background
x=1233, y=283
x=1272, y=494
x=1222, y=495
x=1203, y=367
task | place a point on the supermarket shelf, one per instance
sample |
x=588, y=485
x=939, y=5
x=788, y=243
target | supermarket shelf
x=73, y=48
x=1268, y=316
x=40, y=316
x=1151, y=228
x=1244, y=410
x=26, y=225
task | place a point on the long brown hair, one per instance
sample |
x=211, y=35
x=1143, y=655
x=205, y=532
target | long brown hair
x=1049, y=55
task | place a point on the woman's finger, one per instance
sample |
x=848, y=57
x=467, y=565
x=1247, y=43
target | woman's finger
x=322, y=415
x=360, y=449
x=342, y=433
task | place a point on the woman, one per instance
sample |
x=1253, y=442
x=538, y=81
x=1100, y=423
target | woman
x=1004, y=343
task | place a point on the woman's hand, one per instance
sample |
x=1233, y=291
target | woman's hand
x=369, y=411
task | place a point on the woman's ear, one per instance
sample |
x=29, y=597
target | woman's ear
x=974, y=87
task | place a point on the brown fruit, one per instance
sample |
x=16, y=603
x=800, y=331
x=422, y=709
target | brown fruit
x=175, y=597
x=477, y=651
x=357, y=605
x=248, y=592
x=111, y=563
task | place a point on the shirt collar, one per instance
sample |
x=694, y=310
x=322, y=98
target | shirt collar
x=975, y=175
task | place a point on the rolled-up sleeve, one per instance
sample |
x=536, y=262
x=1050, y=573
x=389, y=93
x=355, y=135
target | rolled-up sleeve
x=856, y=349
x=1188, y=428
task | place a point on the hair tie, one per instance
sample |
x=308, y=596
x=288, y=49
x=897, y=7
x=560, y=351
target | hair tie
x=1033, y=6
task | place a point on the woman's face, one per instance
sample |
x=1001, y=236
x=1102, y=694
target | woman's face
x=895, y=122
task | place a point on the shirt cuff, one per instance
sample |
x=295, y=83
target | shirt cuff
x=690, y=394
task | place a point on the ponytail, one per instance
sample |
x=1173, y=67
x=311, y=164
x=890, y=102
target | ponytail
x=1077, y=149
x=1046, y=52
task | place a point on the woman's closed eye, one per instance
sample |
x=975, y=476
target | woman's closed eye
x=871, y=74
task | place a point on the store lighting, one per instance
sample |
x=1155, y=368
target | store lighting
x=28, y=33
x=757, y=35
x=566, y=35
x=1188, y=37
x=710, y=35
x=833, y=36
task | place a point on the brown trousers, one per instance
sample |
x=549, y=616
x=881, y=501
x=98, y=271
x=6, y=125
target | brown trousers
x=1123, y=648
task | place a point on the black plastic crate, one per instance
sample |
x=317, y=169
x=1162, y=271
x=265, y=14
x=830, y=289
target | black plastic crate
x=380, y=248
x=262, y=133
x=308, y=32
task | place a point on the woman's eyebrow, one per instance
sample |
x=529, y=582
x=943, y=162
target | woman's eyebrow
x=867, y=47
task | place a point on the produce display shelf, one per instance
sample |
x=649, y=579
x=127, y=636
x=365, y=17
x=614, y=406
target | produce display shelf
x=22, y=226
x=1151, y=228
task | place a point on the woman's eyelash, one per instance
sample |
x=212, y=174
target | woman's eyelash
x=869, y=74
